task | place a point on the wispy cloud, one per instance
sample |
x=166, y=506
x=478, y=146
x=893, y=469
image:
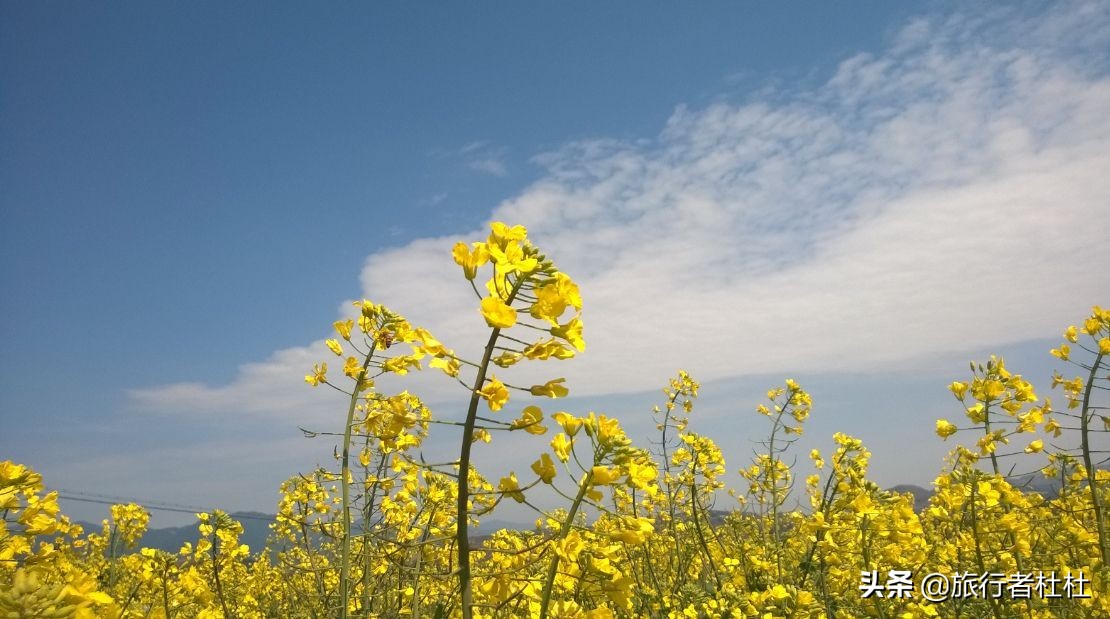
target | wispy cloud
x=946, y=194
x=473, y=146
x=270, y=387
x=481, y=156
x=489, y=165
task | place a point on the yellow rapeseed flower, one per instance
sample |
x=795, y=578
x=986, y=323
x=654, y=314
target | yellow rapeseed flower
x=509, y=486
x=552, y=389
x=352, y=368
x=945, y=428
x=469, y=259
x=546, y=349
x=529, y=421
x=449, y=365
x=561, y=445
x=544, y=468
x=572, y=333
x=958, y=389
x=500, y=233
x=603, y=476
x=343, y=328
x=333, y=345
x=495, y=393
x=497, y=313
x=512, y=259
x=318, y=375
x=570, y=423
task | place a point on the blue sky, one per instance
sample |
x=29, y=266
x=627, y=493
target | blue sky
x=862, y=199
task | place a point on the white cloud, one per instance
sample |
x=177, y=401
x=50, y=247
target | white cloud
x=947, y=194
x=270, y=387
x=481, y=156
x=489, y=165
x=473, y=146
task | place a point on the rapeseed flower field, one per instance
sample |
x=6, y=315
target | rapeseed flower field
x=386, y=533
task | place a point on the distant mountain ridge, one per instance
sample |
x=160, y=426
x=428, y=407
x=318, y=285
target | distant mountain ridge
x=1028, y=482
x=256, y=529
x=920, y=495
x=256, y=525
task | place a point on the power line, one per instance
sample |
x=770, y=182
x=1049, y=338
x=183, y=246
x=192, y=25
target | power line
x=179, y=510
x=124, y=499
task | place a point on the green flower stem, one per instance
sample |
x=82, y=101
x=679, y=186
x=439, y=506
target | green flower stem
x=1092, y=472
x=462, y=524
x=696, y=512
x=553, y=569
x=216, y=567
x=345, y=469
